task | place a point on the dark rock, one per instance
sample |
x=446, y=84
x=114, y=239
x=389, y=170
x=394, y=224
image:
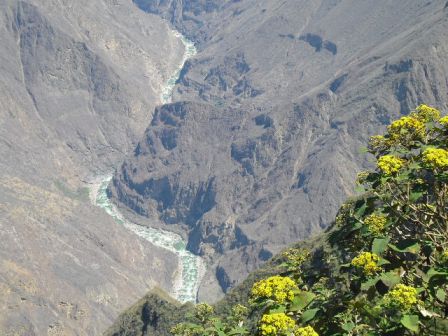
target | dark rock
x=313, y=40
x=282, y=180
x=334, y=86
x=264, y=120
x=265, y=254
x=331, y=47
x=402, y=66
x=223, y=279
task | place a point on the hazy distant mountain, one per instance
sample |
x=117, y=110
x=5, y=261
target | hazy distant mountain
x=78, y=84
x=262, y=145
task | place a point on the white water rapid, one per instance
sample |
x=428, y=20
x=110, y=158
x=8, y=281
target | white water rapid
x=190, y=51
x=191, y=267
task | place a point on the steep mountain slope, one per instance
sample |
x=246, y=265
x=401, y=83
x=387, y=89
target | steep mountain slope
x=380, y=269
x=78, y=84
x=279, y=98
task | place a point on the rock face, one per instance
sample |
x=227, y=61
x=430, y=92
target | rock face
x=66, y=268
x=263, y=144
x=78, y=84
x=89, y=84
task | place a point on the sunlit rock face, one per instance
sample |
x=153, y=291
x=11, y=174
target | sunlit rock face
x=79, y=81
x=262, y=143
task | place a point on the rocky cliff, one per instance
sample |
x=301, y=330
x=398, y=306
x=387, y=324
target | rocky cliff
x=258, y=151
x=78, y=84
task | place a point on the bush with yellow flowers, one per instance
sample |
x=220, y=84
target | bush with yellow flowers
x=376, y=223
x=382, y=268
x=401, y=297
x=444, y=121
x=277, y=288
x=305, y=331
x=400, y=221
x=368, y=262
x=390, y=164
x=294, y=258
x=205, y=322
x=276, y=324
x=435, y=158
x=405, y=129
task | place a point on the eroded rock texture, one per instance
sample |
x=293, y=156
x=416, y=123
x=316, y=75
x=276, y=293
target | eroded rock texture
x=263, y=144
x=78, y=84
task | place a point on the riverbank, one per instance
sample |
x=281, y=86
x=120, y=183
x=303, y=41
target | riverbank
x=191, y=267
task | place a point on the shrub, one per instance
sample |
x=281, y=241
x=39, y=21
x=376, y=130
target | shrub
x=384, y=267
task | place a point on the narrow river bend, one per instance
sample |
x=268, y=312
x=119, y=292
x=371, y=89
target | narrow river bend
x=191, y=267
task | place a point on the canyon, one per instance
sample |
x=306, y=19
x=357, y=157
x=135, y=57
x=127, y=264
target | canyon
x=252, y=145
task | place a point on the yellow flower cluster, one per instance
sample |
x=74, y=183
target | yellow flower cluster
x=362, y=177
x=436, y=158
x=426, y=113
x=306, y=331
x=444, y=121
x=368, y=262
x=239, y=311
x=296, y=257
x=203, y=311
x=406, y=128
x=277, y=324
x=277, y=288
x=390, y=164
x=402, y=297
x=378, y=142
x=375, y=223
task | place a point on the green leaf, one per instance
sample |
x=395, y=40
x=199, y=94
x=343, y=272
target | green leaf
x=309, y=314
x=415, y=195
x=410, y=322
x=406, y=246
x=420, y=289
x=360, y=211
x=390, y=279
x=218, y=328
x=403, y=176
x=296, y=291
x=348, y=326
x=356, y=226
x=221, y=333
x=414, y=166
x=279, y=309
x=384, y=179
x=441, y=294
x=369, y=283
x=383, y=261
x=430, y=125
x=218, y=324
x=379, y=245
x=360, y=189
x=433, y=272
x=302, y=300
x=238, y=331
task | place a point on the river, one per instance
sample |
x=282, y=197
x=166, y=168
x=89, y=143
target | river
x=191, y=267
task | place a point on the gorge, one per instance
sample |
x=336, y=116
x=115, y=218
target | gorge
x=250, y=146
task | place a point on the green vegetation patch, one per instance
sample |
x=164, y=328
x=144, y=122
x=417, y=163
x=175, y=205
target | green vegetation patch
x=81, y=194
